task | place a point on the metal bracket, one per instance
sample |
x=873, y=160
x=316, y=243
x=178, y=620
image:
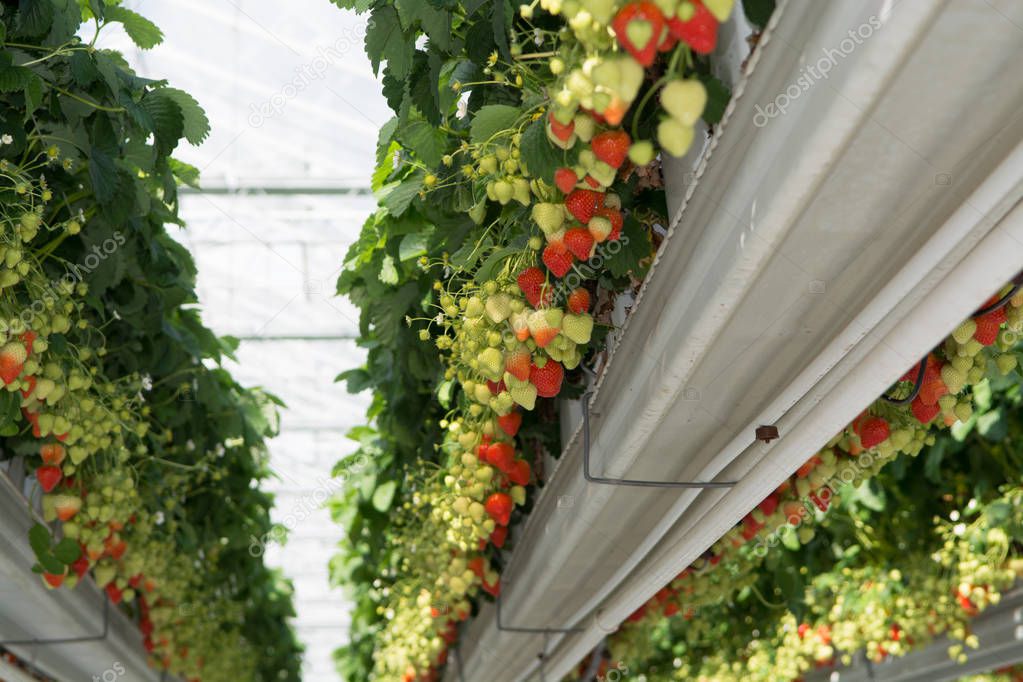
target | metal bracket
x=590, y=478
x=67, y=640
x=526, y=630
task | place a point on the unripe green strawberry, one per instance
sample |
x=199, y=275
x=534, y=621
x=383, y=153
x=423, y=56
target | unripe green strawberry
x=585, y=126
x=491, y=364
x=603, y=173
x=577, y=328
x=104, y=572
x=965, y=331
x=954, y=379
x=975, y=375
x=498, y=308
x=608, y=74
x=602, y=11
x=524, y=395
x=1006, y=362
x=521, y=191
x=503, y=403
x=962, y=364
x=641, y=153
x=481, y=394
x=518, y=494
x=549, y=217
x=964, y=411
x=572, y=358
x=488, y=164
x=503, y=191
x=674, y=137
x=600, y=228
x=719, y=8
x=684, y=100
x=474, y=307
x=947, y=403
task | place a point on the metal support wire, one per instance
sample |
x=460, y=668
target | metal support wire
x=590, y=478
x=67, y=640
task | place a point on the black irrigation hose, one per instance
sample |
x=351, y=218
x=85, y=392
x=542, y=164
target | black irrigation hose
x=1017, y=285
x=917, y=385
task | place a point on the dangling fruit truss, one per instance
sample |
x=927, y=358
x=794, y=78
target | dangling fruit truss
x=519, y=189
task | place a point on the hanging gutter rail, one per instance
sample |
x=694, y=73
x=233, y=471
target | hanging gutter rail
x=67, y=640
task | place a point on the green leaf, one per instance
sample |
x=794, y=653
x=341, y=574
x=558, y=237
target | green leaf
x=425, y=141
x=14, y=78
x=168, y=121
x=67, y=551
x=540, y=156
x=384, y=495
x=39, y=539
x=413, y=245
x=142, y=31
x=359, y=6
x=718, y=96
x=492, y=119
x=758, y=11
x=103, y=174
x=196, y=123
x=34, y=17
x=635, y=247
x=385, y=41
x=400, y=196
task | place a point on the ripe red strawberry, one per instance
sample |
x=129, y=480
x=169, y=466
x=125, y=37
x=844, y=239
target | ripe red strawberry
x=81, y=565
x=493, y=590
x=113, y=593
x=48, y=477
x=519, y=473
x=477, y=566
x=579, y=301
x=28, y=338
x=517, y=363
x=808, y=466
x=501, y=455
x=547, y=379
x=988, y=326
x=700, y=32
x=557, y=258
x=54, y=580
x=533, y=283
x=510, y=423
x=498, y=537
x=579, y=241
x=560, y=130
x=565, y=179
x=12, y=361
x=923, y=412
x=611, y=147
x=616, y=219
x=499, y=506
x=593, y=182
x=872, y=430
x=52, y=453
x=638, y=27
x=769, y=504
x=496, y=386
x=583, y=204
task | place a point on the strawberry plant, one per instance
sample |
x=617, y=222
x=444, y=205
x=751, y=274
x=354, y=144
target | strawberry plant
x=111, y=390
